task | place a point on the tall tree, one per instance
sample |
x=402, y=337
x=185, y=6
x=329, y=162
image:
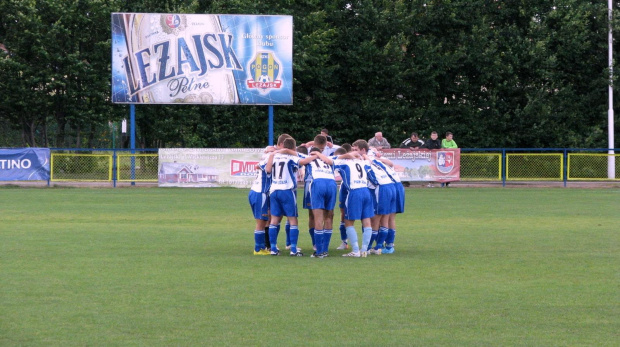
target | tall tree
x=523, y=73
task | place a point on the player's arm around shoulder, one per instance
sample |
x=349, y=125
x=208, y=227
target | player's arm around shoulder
x=386, y=161
x=327, y=160
x=287, y=151
x=350, y=155
x=269, y=164
x=308, y=159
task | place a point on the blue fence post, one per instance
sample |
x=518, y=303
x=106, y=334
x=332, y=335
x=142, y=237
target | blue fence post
x=114, y=167
x=50, y=175
x=503, y=167
x=270, y=125
x=132, y=140
x=565, y=170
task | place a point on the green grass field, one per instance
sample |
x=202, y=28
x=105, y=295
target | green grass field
x=174, y=267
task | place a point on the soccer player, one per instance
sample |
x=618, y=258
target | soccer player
x=358, y=204
x=302, y=152
x=322, y=189
x=287, y=227
x=388, y=246
x=283, y=193
x=259, y=203
x=342, y=196
x=384, y=194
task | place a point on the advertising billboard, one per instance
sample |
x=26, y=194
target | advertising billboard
x=202, y=59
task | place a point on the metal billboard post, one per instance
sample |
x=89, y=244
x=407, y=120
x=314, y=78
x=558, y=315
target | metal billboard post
x=270, y=125
x=611, y=158
x=132, y=141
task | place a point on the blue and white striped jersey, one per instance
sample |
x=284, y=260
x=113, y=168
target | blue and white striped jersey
x=318, y=169
x=283, y=172
x=354, y=172
x=262, y=183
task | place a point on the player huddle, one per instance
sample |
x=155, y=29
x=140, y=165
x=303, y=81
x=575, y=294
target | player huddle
x=370, y=192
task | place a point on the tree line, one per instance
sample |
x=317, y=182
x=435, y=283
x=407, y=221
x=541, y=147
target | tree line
x=522, y=73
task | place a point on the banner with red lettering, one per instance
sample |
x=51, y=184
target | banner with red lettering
x=437, y=165
x=208, y=167
x=236, y=167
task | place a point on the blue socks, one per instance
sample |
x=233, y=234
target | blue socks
x=389, y=240
x=383, y=233
x=375, y=233
x=259, y=240
x=318, y=238
x=273, y=237
x=352, y=236
x=322, y=238
x=294, y=234
x=366, y=236
x=327, y=236
x=343, y=232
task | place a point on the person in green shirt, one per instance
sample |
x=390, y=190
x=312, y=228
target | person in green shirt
x=448, y=142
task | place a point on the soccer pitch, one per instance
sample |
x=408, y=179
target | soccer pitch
x=161, y=267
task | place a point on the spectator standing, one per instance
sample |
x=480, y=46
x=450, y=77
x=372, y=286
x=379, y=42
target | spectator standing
x=325, y=133
x=379, y=142
x=330, y=147
x=413, y=142
x=433, y=143
x=448, y=142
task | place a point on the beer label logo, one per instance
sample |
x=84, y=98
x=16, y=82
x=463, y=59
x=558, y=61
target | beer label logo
x=243, y=168
x=264, y=71
x=173, y=23
x=445, y=161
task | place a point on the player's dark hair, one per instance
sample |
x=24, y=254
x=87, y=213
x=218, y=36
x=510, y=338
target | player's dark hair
x=324, y=131
x=320, y=140
x=315, y=149
x=361, y=144
x=341, y=151
x=302, y=149
x=283, y=137
x=347, y=147
x=289, y=143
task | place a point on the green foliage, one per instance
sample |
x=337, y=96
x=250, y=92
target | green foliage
x=527, y=73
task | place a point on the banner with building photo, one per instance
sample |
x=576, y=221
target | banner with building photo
x=208, y=167
x=25, y=164
x=202, y=59
x=437, y=165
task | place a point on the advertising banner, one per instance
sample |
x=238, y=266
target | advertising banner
x=236, y=167
x=202, y=59
x=437, y=165
x=208, y=167
x=25, y=164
